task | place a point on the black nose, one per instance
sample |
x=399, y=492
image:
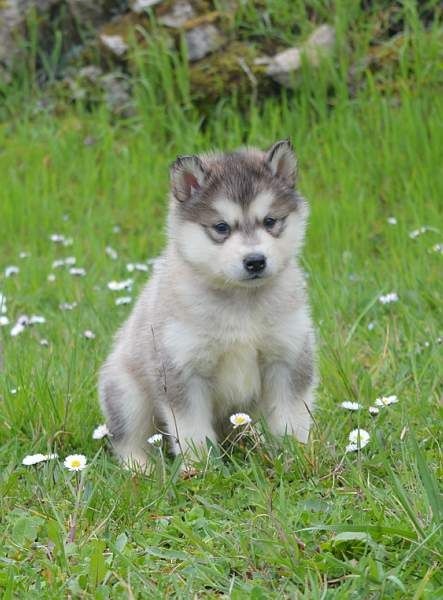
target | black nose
x=254, y=263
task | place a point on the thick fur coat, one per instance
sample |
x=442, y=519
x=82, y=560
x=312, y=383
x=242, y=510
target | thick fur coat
x=223, y=324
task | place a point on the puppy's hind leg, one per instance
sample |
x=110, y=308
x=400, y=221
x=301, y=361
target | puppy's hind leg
x=129, y=416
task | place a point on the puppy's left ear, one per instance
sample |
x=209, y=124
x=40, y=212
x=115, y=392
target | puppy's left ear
x=282, y=161
x=187, y=177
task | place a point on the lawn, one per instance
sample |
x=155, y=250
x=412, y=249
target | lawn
x=259, y=520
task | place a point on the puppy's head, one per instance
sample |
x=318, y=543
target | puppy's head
x=237, y=218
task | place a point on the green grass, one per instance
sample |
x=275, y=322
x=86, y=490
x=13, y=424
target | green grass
x=273, y=521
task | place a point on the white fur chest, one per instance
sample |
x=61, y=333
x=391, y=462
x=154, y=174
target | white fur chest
x=227, y=355
x=237, y=380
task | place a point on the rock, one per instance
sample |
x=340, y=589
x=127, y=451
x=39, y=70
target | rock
x=90, y=72
x=117, y=92
x=181, y=12
x=13, y=15
x=139, y=6
x=115, y=43
x=202, y=40
x=92, y=13
x=283, y=65
x=320, y=43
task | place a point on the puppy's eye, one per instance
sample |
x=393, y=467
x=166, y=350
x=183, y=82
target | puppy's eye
x=222, y=228
x=269, y=222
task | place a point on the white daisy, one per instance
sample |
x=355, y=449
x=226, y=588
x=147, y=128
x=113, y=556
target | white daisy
x=239, y=419
x=438, y=248
x=137, y=267
x=20, y=326
x=156, y=439
x=36, y=320
x=388, y=298
x=123, y=300
x=69, y=261
x=118, y=286
x=3, y=308
x=51, y=278
x=358, y=438
x=11, y=270
x=351, y=405
x=4, y=320
x=392, y=220
x=57, y=238
x=33, y=459
x=373, y=410
x=351, y=448
x=416, y=232
x=111, y=253
x=75, y=462
x=371, y=326
x=141, y=267
x=100, y=432
x=386, y=400
x=116, y=229
x=67, y=305
x=44, y=342
x=77, y=271
x=89, y=335
x=14, y=391
x=24, y=255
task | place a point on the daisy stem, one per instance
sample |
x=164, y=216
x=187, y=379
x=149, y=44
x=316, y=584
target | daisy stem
x=73, y=520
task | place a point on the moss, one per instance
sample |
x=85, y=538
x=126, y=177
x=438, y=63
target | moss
x=126, y=26
x=229, y=71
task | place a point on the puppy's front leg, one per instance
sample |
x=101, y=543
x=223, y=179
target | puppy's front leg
x=288, y=398
x=189, y=418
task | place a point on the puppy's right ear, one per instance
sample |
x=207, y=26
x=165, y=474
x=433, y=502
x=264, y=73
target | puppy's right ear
x=187, y=176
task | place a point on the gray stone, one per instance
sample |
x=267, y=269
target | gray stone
x=115, y=43
x=139, y=6
x=202, y=40
x=13, y=14
x=86, y=12
x=181, y=12
x=283, y=65
x=117, y=90
x=90, y=72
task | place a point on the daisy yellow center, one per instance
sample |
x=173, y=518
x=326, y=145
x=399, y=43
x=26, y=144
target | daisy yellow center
x=75, y=462
x=240, y=420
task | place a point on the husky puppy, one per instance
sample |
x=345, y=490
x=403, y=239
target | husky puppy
x=223, y=324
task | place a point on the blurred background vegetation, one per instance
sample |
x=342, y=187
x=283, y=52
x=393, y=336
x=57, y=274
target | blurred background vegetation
x=145, y=56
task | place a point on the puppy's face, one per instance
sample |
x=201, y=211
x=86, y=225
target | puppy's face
x=236, y=218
